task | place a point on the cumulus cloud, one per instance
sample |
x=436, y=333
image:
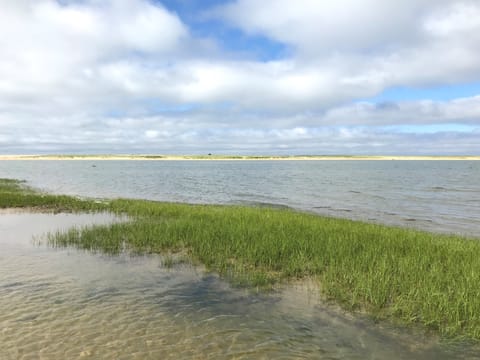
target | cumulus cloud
x=130, y=75
x=325, y=26
x=57, y=49
x=424, y=112
x=372, y=42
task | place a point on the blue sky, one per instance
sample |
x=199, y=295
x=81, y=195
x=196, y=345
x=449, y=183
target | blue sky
x=240, y=76
x=231, y=39
x=438, y=93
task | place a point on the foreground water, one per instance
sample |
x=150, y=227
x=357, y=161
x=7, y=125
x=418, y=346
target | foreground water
x=67, y=304
x=439, y=196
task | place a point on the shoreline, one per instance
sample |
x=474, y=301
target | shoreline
x=239, y=157
x=375, y=269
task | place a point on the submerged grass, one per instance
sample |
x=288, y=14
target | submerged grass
x=402, y=274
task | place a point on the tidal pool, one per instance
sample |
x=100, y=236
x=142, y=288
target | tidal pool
x=65, y=303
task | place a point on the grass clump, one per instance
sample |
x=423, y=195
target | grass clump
x=15, y=194
x=402, y=274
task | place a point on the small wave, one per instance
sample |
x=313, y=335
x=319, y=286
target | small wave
x=376, y=196
x=12, y=285
x=28, y=318
x=451, y=189
x=415, y=220
x=263, y=204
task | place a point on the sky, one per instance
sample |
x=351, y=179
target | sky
x=363, y=77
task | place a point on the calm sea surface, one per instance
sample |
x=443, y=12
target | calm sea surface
x=441, y=196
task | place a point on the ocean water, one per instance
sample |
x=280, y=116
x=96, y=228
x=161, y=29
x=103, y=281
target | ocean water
x=441, y=196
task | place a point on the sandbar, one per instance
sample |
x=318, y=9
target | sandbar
x=155, y=157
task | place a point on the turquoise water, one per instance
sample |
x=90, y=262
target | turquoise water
x=439, y=196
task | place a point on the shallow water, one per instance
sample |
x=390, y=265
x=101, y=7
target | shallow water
x=65, y=303
x=439, y=196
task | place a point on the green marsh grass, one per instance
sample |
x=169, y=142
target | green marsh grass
x=402, y=274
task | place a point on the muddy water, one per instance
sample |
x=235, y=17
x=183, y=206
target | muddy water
x=67, y=304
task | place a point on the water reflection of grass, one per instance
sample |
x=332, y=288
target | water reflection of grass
x=403, y=274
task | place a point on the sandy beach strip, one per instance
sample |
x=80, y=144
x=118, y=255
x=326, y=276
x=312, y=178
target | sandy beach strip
x=154, y=157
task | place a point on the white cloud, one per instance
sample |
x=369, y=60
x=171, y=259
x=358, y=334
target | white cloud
x=462, y=111
x=361, y=128
x=459, y=17
x=99, y=75
x=326, y=26
x=421, y=42
x=151, y=134
x=51, y=47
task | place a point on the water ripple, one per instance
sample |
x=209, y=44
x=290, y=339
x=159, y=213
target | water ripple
x=69, y=304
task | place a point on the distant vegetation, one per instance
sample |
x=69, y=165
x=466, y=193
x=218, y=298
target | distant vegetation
x=405, y=275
